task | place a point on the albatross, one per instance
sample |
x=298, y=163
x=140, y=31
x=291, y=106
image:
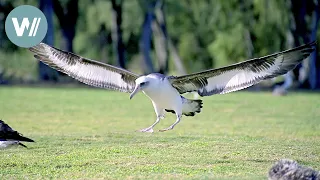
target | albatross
x=165, y=91
x=10, y=137
x=290, y=169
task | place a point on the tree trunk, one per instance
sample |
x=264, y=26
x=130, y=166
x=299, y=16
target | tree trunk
x=247, y=19
x=167, y=46
x=160, y=37
x=5, y=8
x=173, y=51
x=300, y=34
x=145, y=42
x=176, y=58
x=45, y=72
x=314, y=72
x=117, y=32
x=68, y=21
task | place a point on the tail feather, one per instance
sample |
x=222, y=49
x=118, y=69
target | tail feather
x=189, y=107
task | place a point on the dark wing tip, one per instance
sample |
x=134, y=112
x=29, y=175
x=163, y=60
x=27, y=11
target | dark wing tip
x=12, y=134
x=16, y=137
x=307, y=49
x=37, y=48
x=22, y=138
x=312, y=43
x=19, y=143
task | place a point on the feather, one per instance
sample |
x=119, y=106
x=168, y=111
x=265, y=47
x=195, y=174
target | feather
x=241, y=75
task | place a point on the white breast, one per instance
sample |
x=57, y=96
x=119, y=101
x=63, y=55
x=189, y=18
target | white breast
x=164, y=95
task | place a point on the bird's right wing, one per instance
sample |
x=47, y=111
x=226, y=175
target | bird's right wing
x=88, y=71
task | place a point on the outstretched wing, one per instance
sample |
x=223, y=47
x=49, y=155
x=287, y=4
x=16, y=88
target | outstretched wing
x=8, y=134
x=88, y=71
x=241, y=75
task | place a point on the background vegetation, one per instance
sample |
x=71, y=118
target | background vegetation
x=167, y=35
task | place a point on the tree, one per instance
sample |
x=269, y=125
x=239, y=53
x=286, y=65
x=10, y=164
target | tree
x=314, y=73
x=118, y=45
x=67, y=20
x=146, y=34
x=45, y=72
x=161, y=37
x=304, y=32
x=5, y=8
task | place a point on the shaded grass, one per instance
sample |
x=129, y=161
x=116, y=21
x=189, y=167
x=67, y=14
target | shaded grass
x=19, y=65
x=90, y=133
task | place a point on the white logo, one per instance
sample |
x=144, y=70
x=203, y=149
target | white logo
x=25, y=24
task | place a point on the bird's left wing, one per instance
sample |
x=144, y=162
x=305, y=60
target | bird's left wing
x=88, y=71
x=241, y=75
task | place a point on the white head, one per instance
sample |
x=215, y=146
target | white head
x=144, y=83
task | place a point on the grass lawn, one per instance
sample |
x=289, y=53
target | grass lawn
x=90, y=133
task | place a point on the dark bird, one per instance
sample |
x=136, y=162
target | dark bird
x=286, y=169
x=9, y=137
x=164, y=91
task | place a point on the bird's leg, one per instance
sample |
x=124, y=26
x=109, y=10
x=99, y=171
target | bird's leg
x=160, y=115
x=174, y=124
x=150, y=129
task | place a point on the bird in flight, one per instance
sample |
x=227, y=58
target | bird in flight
x=165, y=91
x=9, y=137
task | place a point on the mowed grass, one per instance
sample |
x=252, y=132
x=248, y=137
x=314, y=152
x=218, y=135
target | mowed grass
x=85, y=133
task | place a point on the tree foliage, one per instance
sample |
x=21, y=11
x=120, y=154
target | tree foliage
x=205, y=33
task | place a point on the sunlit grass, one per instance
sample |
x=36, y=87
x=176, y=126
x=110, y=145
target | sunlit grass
x=90, y=133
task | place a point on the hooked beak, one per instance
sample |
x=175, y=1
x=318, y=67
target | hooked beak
x=135, y=91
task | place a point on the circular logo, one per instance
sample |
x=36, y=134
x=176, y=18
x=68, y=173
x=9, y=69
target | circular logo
x=26, y=26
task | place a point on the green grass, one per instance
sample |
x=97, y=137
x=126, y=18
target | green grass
x=90, y=134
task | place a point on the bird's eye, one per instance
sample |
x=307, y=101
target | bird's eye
x=142, y=84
